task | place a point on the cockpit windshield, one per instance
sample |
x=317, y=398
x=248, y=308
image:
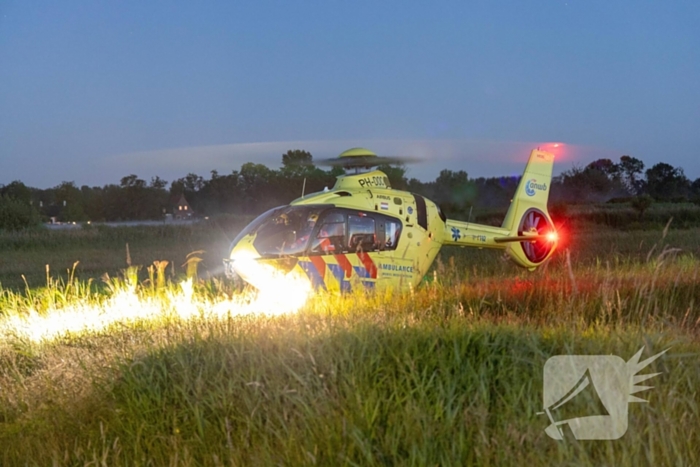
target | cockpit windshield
x=284, y=230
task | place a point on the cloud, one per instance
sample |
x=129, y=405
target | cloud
x=477, y=158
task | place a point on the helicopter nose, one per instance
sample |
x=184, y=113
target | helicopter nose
x=242, y=252
x=238, y=254
x=244, y=267
x=238, y=269
x=271, y=276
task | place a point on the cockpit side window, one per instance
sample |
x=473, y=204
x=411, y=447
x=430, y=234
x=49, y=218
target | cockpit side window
x=347, y=231
x=331, y=234
x=361, y=233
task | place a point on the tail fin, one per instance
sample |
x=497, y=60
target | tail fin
x=528, y=213
x=533, y=189
x=527, y=234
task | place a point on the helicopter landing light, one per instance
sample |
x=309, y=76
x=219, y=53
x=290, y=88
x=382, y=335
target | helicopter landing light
x=269, y=279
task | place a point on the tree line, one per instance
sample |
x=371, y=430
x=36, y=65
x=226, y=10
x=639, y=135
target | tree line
x=255, y=188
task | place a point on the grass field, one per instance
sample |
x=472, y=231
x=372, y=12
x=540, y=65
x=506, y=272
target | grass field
x=448, y=374
x=100, y=250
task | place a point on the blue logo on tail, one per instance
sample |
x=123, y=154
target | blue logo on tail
x=532, y=185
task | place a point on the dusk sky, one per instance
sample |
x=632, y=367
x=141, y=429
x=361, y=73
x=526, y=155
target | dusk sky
x=93, y=91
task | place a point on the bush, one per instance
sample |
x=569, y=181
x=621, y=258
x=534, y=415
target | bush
x=559, y=212
x=620, y=200
x=641, y=204
x=17, y=215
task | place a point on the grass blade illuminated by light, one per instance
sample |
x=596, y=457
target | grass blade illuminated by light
x=280, y=295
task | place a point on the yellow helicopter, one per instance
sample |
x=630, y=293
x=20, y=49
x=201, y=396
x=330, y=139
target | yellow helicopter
x=363, y=233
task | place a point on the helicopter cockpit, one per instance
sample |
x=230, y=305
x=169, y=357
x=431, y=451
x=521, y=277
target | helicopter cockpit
x=320, y=230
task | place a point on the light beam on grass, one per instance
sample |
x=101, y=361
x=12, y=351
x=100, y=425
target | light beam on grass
x=280, y=294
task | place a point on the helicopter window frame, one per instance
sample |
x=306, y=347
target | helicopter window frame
x=386, y=233
x=392, y=229
x=383, y=235
x=362, y=233
x=387, y=230
x=329, y=236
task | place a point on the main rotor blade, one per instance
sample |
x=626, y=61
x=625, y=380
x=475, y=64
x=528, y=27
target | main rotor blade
x=365, y=161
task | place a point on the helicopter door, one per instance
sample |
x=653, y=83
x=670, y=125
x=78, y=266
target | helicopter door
x=381, y=234
x=330, y=237
x=361, y=233
x=421, y=213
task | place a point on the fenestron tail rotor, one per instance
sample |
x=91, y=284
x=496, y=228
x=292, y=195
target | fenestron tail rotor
x=535, y=222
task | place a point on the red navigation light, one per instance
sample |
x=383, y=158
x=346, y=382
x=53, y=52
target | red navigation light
x=554, y=147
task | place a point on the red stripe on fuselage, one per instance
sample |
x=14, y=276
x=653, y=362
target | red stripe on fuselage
x=320, y=266
x=344, y=263
x=368, y=263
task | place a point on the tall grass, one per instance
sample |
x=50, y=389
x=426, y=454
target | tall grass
x=447, y=374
